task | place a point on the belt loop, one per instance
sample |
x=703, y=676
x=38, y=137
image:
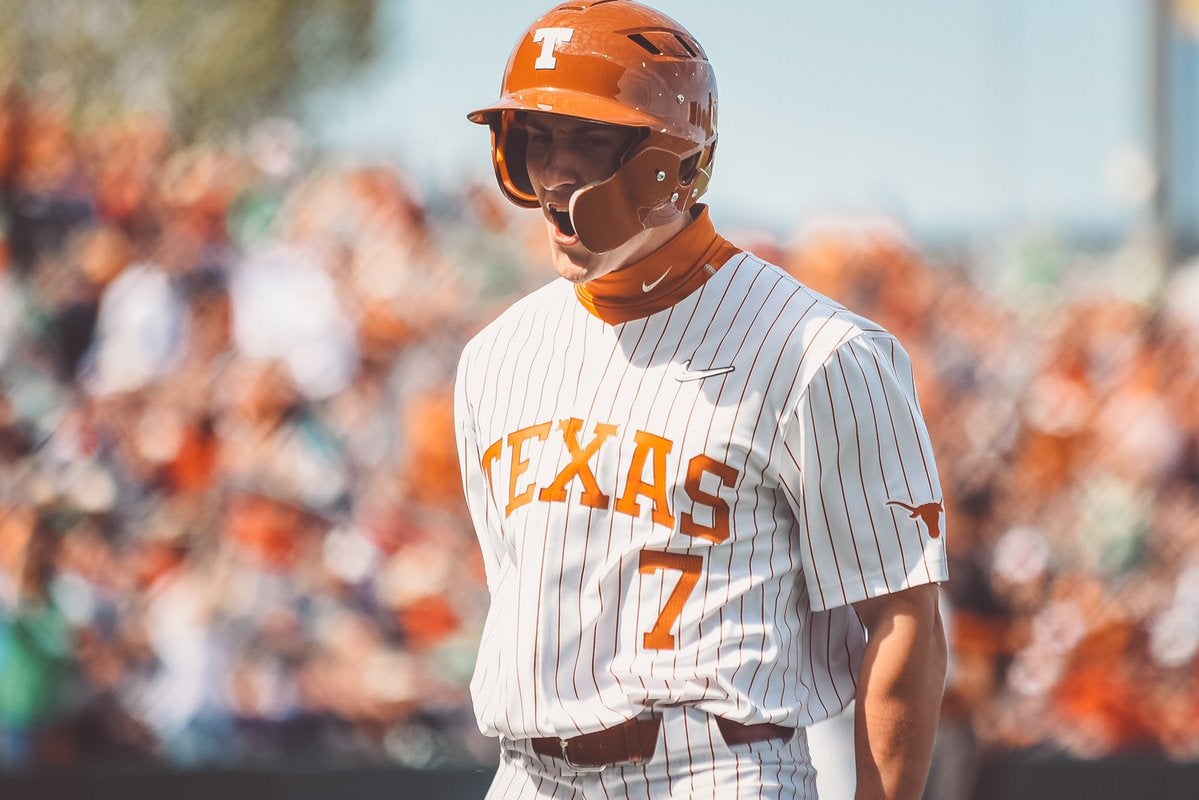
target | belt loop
x=632, y=737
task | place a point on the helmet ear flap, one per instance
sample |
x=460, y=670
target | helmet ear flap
x=608, y=213
x=509, y=143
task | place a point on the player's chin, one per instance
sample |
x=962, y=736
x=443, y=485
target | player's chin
x=569, y=269
x=575, y=263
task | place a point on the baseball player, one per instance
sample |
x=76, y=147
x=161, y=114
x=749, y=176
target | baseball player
x=705, y=494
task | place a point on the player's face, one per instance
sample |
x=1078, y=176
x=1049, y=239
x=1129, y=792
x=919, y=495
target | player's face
x=564, y=155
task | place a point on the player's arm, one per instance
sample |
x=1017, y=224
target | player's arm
x=899, y=693
x=861, y=455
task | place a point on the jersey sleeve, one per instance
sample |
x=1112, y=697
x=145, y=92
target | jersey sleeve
x=860, y=475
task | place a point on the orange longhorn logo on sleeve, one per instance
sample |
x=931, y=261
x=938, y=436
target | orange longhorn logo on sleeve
x=929, y=513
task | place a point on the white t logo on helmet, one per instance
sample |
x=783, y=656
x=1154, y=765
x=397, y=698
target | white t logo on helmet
x=550, y=38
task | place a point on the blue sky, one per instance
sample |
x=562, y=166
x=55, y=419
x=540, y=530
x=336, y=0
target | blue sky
x=976, y=115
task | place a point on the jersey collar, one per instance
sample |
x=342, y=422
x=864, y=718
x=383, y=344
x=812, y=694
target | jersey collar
x=660, y=279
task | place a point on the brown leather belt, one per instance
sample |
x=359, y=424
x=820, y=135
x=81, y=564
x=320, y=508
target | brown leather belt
x=633, y=742
x=737, y=733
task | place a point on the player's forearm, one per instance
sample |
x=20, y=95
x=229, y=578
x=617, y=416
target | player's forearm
x=899, y=696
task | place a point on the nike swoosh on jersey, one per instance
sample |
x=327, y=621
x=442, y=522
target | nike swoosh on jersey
x=649, y=287
x=688, y=374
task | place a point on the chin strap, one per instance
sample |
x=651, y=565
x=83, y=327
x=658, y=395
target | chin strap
x=608, y=213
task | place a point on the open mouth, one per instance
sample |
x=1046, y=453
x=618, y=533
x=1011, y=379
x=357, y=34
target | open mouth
x=562, y=221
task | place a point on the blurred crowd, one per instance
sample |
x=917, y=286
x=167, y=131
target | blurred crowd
x=230, y=516
x=1062, y=395
x=231, y=528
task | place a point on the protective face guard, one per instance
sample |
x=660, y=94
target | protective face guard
x=608, y=213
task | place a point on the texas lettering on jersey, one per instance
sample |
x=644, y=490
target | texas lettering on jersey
x=644, y=477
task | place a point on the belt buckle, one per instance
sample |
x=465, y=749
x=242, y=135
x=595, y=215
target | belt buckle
x=565, y=745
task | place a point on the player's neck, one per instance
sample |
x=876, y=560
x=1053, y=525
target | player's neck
x=660, y=278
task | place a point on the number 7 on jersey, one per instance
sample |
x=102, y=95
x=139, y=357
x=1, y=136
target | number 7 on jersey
x=690, y=566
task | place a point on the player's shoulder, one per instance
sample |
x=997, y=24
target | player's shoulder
x=809, y=328
x=811, y=310
x=523, y=312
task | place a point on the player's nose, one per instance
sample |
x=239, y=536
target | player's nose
x=561, y=166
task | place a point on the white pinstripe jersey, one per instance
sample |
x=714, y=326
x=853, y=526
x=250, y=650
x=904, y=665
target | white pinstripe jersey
x=678, y=508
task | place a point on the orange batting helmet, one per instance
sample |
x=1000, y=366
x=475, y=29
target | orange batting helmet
x=618, y=62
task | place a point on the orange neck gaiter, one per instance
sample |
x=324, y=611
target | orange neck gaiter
x=660, y=279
